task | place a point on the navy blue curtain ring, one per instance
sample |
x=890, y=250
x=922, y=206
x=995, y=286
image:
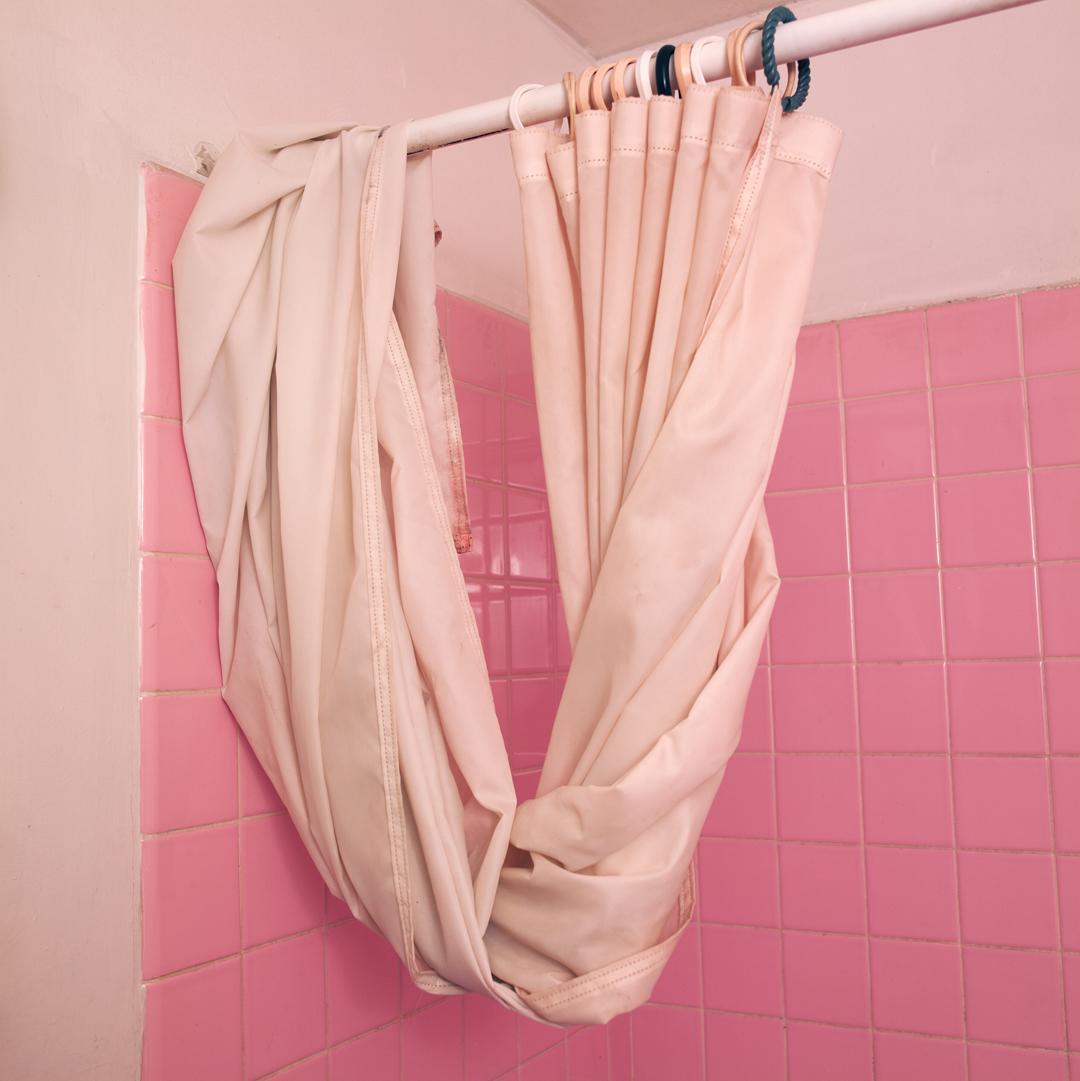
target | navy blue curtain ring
x=791, y=101
x=663, y=70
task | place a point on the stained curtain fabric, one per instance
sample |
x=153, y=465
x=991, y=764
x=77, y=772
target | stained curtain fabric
x=669, y=248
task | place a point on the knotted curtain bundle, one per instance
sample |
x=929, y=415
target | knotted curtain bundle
x=669, y=249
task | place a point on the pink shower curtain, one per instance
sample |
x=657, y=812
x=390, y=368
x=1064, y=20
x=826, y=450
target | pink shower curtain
x=668, y=252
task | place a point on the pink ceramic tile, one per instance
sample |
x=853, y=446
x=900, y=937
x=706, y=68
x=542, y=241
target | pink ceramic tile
x=1002, y=803
x=814, y=708
x=892, y=526
x=432, y=1043
x=1007, y=899
x=737, y=881
x=516, y=356
x=822, y=887
x=897, y=617
x=489, y=608
x=487, y=517
x=741, y=969
x=1013, y=996
x=818, y=798
x=815, y=377
x=169, y=199
x=257, y=794
x=1057, y=513
x=179, y=625
x=888, y=438
x=193, y=1026
x=1063, y=705
x=911, y=893
x=882, y=353
x=524, y=464
x=825, y=978
x=525, y=785
x=980, y=428
x=990, y=612
x=188, y=761
x=756, y=727
x=902, y=1058
x=1060, y=585
x=680, y=982
x=619, y=1049
x=534, y=1037
x=170, y=519
x=817, y=1053
x=987, y=1063
x=481, y=433
x=902, y=707
x=550, y=1066
x=744, y=1047
x=1071, y=966
x=812, y=622
x=161, y=380
x=190, y=899
x=284, y=1004
x=1068, y=876
x=996, y=707
x=985, y=519
x=280, y=890
x=532, y=712
x=809, y=532
x=1051, y=329
x=336, y=909
x=587, y=1054
x=532, y=641
x=744, y=805
x=312, y=1069
x=667, y=1043
x=529, y=532
x=363, y=977
x=471, y=333
x=1054, y=405
x=917, y=987
x=974, y=342
x=1066, y=775
x=374, y=1057
x=906, y=800
x=808, y=454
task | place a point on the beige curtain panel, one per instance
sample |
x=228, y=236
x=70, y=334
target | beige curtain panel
x=669, y=247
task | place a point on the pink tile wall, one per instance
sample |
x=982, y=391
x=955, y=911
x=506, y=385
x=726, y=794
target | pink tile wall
x=890, y=877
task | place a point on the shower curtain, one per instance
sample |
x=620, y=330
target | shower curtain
x=669, y=248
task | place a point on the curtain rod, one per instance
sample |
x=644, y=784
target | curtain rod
x=860, y=24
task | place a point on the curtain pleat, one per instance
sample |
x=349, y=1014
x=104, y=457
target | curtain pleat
x=668, y=253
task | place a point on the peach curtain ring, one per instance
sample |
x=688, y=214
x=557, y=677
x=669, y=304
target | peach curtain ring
x=618, y=78
x=596, y=85
x=696, y=69
x=569, y=82
x=515, y=104
x=737, y=59
x=641, y=72
x=582, y=92
x=684, y=74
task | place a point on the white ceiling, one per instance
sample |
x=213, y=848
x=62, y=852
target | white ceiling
x=605, y=27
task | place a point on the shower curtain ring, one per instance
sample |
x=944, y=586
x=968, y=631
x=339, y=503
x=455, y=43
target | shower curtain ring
x=515, y=104
x=791, y=101
x=663, y=70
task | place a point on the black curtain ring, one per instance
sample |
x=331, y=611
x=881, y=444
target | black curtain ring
x=663, y=70
x=775, y=17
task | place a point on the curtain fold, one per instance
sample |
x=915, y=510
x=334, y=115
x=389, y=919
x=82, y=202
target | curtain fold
x=668, y=253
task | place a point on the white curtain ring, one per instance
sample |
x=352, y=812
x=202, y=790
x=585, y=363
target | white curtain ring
x=695, y=56
x=515, y=101
x=641, y=74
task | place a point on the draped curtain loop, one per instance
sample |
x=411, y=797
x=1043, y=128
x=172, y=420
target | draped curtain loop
x=668, y=247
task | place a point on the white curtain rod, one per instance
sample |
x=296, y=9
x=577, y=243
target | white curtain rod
x=875, y=20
